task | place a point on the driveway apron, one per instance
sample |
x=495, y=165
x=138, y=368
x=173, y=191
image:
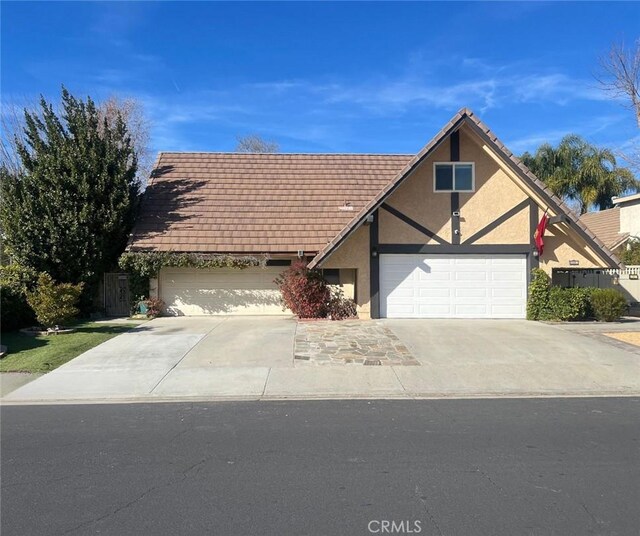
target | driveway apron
x=126, y=366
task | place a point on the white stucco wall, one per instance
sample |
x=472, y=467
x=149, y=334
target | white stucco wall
x=630, y=218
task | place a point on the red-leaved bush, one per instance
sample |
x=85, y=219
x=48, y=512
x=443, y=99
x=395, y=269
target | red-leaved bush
x=155, y=306
x=304, y=291
x=341, y=308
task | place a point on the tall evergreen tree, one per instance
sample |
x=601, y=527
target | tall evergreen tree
x=581, y=172
x=68, y=211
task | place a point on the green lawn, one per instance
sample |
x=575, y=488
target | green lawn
x=44, y=353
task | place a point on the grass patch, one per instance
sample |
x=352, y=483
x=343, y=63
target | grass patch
x=46, y=352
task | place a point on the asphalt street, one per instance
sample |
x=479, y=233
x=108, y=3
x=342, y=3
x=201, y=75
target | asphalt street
x=434, y=467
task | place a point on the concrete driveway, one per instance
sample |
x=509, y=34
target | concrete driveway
x=515, y=357
x=183, y=356
x=253, y=357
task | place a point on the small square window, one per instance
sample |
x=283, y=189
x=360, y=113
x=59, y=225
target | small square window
x=444, y=177
x=463, y=177
x=453, y=177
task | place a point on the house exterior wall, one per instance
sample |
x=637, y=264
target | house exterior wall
x=354, y=254
x=415, y=198
x=630, y=218
x=495, y=193
x=561, y=248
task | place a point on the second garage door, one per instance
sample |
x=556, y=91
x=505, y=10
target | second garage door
x=220, y=291
x=453, y=286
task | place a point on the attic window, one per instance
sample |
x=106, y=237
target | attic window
x=453, y=177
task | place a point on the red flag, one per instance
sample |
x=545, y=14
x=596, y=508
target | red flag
x=539, y=234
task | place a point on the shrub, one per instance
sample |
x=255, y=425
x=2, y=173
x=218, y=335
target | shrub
x=15, y=280
x=608, y=304
x=304, y=291
x=539, y=290
x=54, y=303
x=155, y=306
x=340, y=307
x=556, y=303
x=566, y=304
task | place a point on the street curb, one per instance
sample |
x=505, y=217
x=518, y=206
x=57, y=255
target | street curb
x=319, y=397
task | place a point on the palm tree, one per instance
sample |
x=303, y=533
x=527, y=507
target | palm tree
x=581, y=172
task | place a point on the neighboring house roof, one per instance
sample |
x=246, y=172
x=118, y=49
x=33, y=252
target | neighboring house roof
x=466, y=116
x=256, y=203
x=626, y=199
x=605, y=224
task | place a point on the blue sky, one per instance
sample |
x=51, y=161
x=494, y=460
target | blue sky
x=328, y=77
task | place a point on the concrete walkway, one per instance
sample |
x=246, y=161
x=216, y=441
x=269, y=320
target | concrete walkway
x=253, y=358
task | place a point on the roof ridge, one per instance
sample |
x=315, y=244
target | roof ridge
x=282, y=154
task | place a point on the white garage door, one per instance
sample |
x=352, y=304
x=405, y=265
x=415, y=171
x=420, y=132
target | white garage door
x=453, y=286
x=220, y=291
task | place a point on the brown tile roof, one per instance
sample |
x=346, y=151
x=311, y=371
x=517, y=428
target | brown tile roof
x=256, y=203
x=467, y=116
x=605, y=224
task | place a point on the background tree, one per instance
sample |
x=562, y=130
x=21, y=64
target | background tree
x=12, y=132
x=620, y=77
x=138, y=127
x=581, y=172
x=253, y=143
x=69, y=209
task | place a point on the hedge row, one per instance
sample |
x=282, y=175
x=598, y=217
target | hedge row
x=566, y=304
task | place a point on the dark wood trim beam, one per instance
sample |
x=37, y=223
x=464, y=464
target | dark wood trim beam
x=450, y=249
x=534, y=260
x=454, y=143
x=455, y=220
x=454, y=156
x=374, y=268
x=406, y=219
x=497, y=222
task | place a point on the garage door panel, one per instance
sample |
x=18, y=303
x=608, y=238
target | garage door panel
x=515, y=292
x=470, y=276
x=434, y=293
x=506, y=276
x=506, y=311
x=448, y=286
x=435, y=275
x=470, y=310
x=434, y=310
x=404, y=293
x=469, y=293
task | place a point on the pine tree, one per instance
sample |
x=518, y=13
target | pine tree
x=69, y=210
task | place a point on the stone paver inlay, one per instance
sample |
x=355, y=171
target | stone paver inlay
x=357, y=342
